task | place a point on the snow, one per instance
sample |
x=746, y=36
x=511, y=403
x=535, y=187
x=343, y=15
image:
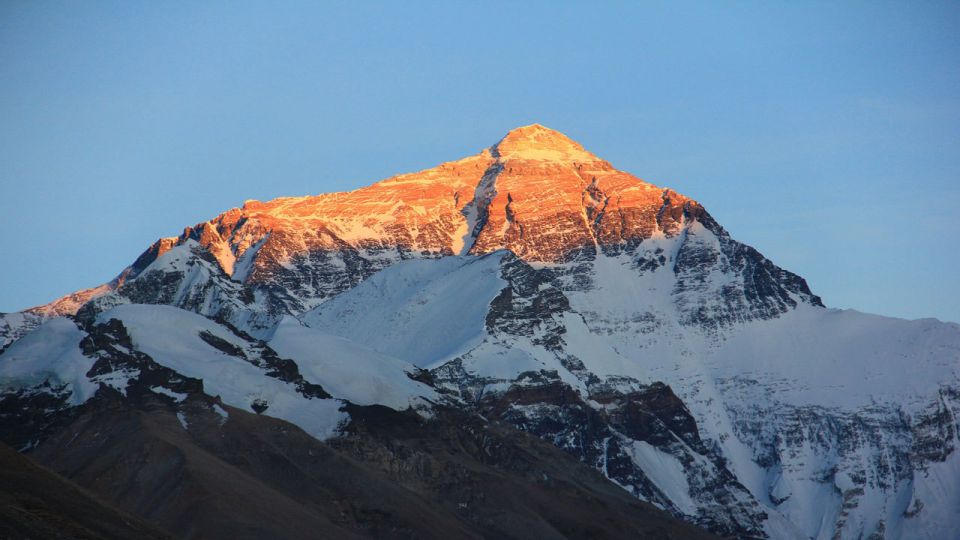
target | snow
x=462, y=239
x=536, y=142
x=224, y=415
x=420, y=311
x=466, y=234
x=811, y=355
x=118, y=379
x=348, y=370
x=178, y=258
x=178, y=397
x=935, y=488
x=245, y=262
x=182, y=418
x=844, y=358
x=841, y=362
x=49, y=353
x=171, y=336
x=778, y=527
x=499, y=362
x=221, y=251
x=16, y=320
x=15, y=325
x=667, y=473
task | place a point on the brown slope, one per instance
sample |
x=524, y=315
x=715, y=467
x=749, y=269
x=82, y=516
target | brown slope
x=37, y=503
x=240, y=480
x=392, y=476
x=505, y=483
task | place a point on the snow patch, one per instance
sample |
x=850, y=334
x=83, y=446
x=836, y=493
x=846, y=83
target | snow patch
x=51, y=353
x=224, y=415
x=348, y=370
x=177, y=397
x=426, y=311
x=667, y=473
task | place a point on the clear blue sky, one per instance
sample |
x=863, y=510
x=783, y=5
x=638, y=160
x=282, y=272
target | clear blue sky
x=827, y=134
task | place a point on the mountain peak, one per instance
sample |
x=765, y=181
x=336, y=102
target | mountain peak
x=537, y=142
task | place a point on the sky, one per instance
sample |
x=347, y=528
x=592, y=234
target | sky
x=825, y=134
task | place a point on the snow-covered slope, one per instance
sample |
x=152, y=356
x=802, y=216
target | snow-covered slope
x=536, y=285
x=188, y=276
x=351, y=371
x=830, y=418
x=128, y=346
x=426, y=311
x=49, y=358
x=197, y=347
x=818, y=413
x=13, y=326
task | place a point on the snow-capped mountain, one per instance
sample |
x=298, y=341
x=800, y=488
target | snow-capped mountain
x=534, y=286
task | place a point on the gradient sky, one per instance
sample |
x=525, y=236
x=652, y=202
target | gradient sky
x=827, y=135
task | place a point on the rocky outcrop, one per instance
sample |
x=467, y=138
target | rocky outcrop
x=13, y=326
x=627, y=436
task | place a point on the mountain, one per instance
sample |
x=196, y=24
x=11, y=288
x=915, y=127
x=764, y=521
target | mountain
x=529, y=289
x=36, y=503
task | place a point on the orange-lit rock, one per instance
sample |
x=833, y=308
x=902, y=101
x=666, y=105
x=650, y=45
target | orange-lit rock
x=536, y=192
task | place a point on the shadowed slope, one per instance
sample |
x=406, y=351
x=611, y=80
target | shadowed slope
x=393, y=475
x=36, y=503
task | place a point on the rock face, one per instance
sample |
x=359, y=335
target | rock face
x=531, y=287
